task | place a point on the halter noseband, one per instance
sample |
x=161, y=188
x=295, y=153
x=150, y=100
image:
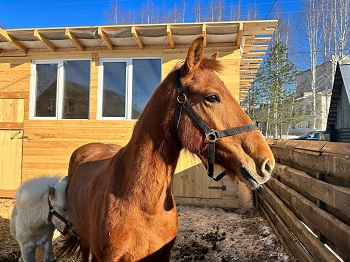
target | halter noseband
x=211, y=134
x=53, y=212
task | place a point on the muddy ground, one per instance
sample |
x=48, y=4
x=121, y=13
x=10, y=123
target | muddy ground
x=205, y=234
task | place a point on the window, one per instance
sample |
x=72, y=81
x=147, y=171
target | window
x=60, y=89
x=126, y=85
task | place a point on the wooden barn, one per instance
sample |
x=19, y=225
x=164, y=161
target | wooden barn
x=61, y=88
x=338, y=123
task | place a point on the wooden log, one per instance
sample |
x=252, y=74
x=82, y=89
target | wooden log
x=333, y=230
x=334, y=196
x=311, y=243
x=292, y=243
x=334, y=166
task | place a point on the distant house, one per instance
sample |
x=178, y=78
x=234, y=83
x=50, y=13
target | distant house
x=304, y=101
x=304, y=106
x=338, y=122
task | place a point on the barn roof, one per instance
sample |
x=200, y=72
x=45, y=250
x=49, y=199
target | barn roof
x=342, y=77
x=252, y=37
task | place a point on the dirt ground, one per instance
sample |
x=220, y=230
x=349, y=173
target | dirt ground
x=205, y=234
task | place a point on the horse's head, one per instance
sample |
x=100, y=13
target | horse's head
x=57, y=196
x=246, y=153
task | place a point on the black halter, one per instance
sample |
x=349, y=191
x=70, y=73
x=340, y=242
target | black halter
x=211, y=134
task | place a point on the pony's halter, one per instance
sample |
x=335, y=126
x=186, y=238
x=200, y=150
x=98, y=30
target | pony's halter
x=53, y=212
x=211, y=134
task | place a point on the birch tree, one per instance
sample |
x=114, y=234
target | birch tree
x=312, y=27
x=197, y=10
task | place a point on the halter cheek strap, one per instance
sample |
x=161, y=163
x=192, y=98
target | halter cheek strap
x=53, y=212
x=211, y=135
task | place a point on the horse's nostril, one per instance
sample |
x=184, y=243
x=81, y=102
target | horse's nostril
x=267, y=166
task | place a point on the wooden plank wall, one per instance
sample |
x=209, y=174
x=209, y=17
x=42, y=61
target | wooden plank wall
x=307, y=200
x=49, y=143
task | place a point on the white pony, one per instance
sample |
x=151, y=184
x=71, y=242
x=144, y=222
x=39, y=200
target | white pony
x=39, y=201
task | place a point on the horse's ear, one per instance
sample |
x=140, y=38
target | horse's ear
x=215, y=56
x=194, y=56
x=52, y=192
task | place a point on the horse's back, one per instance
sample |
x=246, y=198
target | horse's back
x=91, y=153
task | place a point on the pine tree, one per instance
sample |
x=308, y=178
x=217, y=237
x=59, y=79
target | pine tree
x=275, y=78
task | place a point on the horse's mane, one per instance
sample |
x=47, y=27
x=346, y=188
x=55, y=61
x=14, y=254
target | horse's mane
x=33, y=189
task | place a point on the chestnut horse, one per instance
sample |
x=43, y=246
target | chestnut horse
x=120, y=199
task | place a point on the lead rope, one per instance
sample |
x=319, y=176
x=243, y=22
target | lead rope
x=211, y=134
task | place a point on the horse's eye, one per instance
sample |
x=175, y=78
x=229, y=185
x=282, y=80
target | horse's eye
x=212, y=98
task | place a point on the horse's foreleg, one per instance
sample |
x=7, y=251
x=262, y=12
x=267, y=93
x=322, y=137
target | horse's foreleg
x=28, y=253
x=48, y=254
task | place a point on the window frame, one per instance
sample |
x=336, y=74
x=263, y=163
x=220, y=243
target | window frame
x=60, y=86
x=129, y=87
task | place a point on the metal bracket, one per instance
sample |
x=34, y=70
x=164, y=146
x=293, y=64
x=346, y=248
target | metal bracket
x=223, y=188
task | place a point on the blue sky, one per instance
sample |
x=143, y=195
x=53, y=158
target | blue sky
x=65, y=13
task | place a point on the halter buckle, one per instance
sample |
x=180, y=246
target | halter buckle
x=212, y=135
x=181, y=98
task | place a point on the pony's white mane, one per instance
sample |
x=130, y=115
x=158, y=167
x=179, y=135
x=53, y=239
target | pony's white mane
x=33, y=189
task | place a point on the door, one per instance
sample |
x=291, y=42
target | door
x=191, y=184
x=10, y=159
x=11, y=139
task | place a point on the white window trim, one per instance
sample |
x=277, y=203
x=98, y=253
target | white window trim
x=128, y=93
x=59, y=95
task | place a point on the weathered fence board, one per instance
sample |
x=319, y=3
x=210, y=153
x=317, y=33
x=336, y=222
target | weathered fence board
x=310, y=190
x=333, y=230
x=335, y=196
x=313, y=160
x=292, y=243
x=311, y=242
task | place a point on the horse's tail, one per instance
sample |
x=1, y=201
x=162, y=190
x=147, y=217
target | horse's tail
x=70, y=245
x=13, y=221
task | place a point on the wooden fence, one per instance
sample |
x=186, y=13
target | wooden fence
x=308, y=199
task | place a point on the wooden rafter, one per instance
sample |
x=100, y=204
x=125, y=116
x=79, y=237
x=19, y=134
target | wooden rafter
x=252, y=39
x=45, y=42
x=239, y=35
x=105, y=38
x=254, y=54
x=75, y=41
x=170, y=36
x=204, y=33
x=255, y=47
x=248, y=72
x=246, y=82
x=255, y=32
x=251, y=60
x=136, y=36
x=13, y=41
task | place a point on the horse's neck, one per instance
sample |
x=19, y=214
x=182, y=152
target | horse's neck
x=149, y=159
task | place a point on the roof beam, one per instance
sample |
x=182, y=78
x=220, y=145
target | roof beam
x=239, y=35
x=204, y=33
x=75, y=41
x=170, y=36
x=105, y=38
x=42, y=39
x=136, y=36
x=13, y=41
